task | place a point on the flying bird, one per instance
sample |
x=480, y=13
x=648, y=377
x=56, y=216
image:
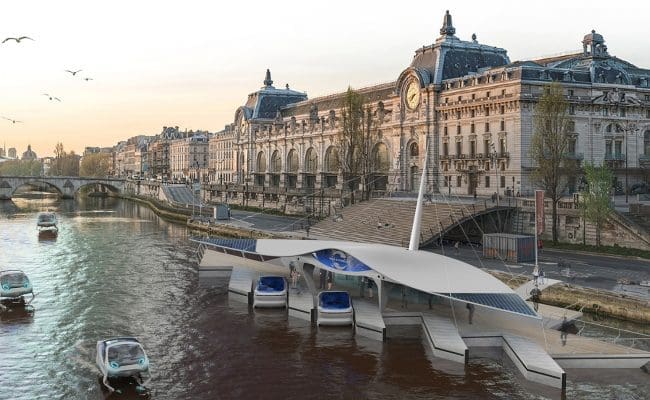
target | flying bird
x=73, y=72
x=13, y=121
x=18, y=39
x=51, y=97
x=88, y=79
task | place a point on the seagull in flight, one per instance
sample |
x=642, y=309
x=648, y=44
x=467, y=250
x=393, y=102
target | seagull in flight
x=18, y=39
x=51, y=97
x=88, y=79
x=73, y=72
x=13, y=121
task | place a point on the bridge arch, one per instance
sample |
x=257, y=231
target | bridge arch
x=65, y=186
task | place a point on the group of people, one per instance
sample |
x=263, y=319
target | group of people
x=538, y=275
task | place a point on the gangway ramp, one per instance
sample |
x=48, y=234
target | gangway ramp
x=240, y=287
x=301, y=305
x=442, y=334
x=533, y=362
x=368, y=319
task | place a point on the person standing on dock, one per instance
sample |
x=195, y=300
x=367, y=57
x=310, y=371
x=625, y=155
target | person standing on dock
x=470, y=310
x=564, y=330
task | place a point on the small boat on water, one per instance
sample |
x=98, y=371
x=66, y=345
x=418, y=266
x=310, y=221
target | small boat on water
x=14, y=285
x=645, y=283
x=270, y=291
x=47, y=221
x=335, y=308
x=123, y=357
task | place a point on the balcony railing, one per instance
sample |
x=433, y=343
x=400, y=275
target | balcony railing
x=644, y=160
x=614, y=157
x=575, y=156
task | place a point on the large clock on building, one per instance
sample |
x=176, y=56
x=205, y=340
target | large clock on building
x=412, y=94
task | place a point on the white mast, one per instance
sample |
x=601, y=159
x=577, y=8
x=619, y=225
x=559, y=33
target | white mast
x=414, y=243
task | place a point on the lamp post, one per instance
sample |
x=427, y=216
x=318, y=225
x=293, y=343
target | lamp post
x=496, y=168
x=630, y=127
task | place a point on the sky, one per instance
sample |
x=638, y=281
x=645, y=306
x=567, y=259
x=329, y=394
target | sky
x=192, y=63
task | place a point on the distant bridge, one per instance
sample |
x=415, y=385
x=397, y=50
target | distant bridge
x=66, y=186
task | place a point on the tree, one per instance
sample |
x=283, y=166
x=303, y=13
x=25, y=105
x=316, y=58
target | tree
x=355, y=142
x=95, y=165
x=549, y=147
x=594, y=201
x=21, y=168
x=64, y=164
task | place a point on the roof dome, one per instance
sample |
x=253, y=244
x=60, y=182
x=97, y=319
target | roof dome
x=593, y=37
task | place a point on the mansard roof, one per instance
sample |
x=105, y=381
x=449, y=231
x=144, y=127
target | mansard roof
x=335, y=101
x=265, y=103
x=450, y=57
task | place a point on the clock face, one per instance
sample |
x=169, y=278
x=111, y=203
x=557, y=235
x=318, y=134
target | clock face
x=413, y=95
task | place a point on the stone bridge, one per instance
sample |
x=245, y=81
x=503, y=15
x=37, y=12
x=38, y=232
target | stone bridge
x=66, y=186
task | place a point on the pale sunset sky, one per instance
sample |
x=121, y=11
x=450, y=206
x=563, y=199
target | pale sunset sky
x=192, y=63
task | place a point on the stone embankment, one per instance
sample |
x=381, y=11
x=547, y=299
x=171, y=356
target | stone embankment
x=588, y=300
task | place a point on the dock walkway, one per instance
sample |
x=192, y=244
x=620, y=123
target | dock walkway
x=368, y=319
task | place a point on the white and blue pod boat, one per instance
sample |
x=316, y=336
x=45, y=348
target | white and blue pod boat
x=122, y=357
x=335, y=308
x=47, y=220
x=14, y=284
x=270, y=291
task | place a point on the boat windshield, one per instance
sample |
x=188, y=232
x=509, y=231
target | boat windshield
x=46, y=219
x=13, y=280
x=271, y=284
x=126, y=354
x=335, y=300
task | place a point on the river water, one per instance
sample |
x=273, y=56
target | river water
x=117, y=269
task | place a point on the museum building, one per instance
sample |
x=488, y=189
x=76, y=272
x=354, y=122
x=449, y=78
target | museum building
x=464, y=101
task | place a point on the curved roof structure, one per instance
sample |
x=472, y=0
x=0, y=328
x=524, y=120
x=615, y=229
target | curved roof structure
x=421, y=270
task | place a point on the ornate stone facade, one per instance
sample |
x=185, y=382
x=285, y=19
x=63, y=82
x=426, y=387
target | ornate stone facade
x=465, y=103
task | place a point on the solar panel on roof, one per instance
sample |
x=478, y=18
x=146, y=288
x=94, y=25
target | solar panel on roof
x=503, y=301
x=238, y=244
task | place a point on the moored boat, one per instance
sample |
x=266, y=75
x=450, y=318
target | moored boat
x=270, y=291
x=335, y=308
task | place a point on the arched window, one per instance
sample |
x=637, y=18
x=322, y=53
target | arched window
x=261, y=162
x=292, y=162
x=276, y=162
x=380, y=162
x=646, y=143
x=332, y=162
x=414, y=150
x=311, y=161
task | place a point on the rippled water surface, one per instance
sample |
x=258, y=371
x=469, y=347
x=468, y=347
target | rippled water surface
x=117, y=269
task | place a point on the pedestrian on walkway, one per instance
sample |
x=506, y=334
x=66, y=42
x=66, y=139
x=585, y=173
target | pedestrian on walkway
x=541, y=276
x=330, y=278
x=564, y=330
x=456, y=247
x=322, y=278
x=370, y=284
x=470, y=309
x=535, y=274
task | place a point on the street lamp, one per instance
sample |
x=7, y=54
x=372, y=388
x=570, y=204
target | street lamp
x=496, y=168
x=629, y=128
